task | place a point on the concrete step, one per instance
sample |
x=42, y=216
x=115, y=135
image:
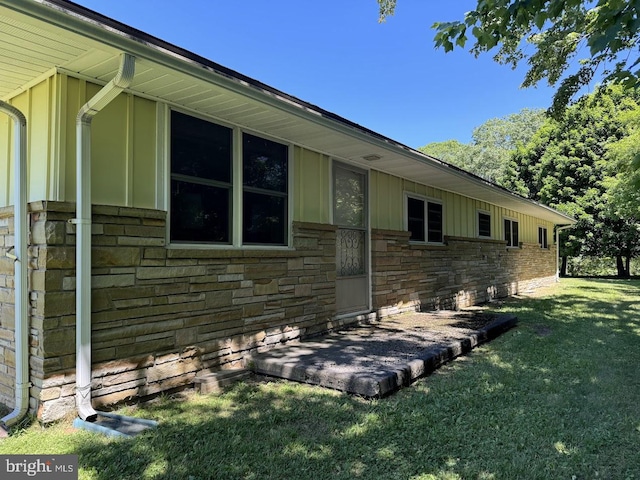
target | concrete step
x=216, y=382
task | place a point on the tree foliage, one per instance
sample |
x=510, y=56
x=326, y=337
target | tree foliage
x=492, y=144
x=569, y=165
x=562, y=41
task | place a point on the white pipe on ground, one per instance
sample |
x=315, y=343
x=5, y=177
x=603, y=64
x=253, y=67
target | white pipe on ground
x=83, y=230
x=21, y=264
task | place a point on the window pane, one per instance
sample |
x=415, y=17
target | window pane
x=507, y=232
x=514, y=234
x=264, y=163
x=264, y=219
x=415, y=221
x=349, y=191
x=542, y=237
x=199, y=148
x=434, y=218
x=484, y=225
x=199, y=213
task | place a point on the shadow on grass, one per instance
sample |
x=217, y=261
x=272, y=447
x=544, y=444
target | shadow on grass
x=536, y=403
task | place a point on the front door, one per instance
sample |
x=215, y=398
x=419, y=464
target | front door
x=350, y=215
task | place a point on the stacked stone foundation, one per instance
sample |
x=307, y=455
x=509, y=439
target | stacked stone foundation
x=161, y=315
x=460, y=273
x=7, y=310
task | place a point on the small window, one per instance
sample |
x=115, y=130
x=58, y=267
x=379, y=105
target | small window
x=542, y=237
x=484, y=225
x=424, y=220
x=416, y=220
x=511, y=233
x=434, y=230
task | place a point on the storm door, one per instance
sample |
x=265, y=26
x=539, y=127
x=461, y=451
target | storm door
x=350, y=215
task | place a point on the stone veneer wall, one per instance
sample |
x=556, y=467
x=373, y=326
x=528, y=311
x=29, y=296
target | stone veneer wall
x=460, y=273
x=7, y=310
x=162, y=315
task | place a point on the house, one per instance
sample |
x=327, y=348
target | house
x=162, y=215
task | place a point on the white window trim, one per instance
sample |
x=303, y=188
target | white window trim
x=164, y=179
x=511, y=219
x=425, y=199
x=486, y=212
x=546, y=229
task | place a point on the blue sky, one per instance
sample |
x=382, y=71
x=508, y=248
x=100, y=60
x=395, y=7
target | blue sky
x=333, y=53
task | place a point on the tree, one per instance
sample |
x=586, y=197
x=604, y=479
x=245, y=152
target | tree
x=550, y=35
x=568, y=165
x=454, y=152
x=492, y=144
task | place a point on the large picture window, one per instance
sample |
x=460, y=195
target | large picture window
x=204, y=175
x=511, y=233
x=424, y=220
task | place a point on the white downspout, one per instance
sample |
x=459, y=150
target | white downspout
x=559, y=228
x=83, y=230
x=21, y=293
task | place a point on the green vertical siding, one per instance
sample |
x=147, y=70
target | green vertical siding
x=386, y=206
x=312, y=186
x=109, y=153
x=142, y=171
x=123, y=145
x=460, y=213
x=125, y=165
x=37, y=103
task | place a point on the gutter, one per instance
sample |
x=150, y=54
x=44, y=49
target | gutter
x=21, y=260
x=559, y=228
x=109, y=92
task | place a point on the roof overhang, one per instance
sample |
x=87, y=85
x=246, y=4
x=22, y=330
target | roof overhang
x=41, y=35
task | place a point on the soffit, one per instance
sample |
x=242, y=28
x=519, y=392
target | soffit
x=37, y=38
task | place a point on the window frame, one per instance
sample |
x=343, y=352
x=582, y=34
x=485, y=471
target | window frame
x=478, y=231
x=510, y=242
x=426, y=228
x=543, y=237
x=237, y=187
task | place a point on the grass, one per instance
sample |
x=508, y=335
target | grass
x=556, y=397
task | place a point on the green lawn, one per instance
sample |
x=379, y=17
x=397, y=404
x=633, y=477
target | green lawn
x=556, y=397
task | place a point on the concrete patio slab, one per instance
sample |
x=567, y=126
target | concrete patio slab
x=376, y=360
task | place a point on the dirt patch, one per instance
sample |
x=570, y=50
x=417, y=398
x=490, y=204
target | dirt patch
x=542, y=330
